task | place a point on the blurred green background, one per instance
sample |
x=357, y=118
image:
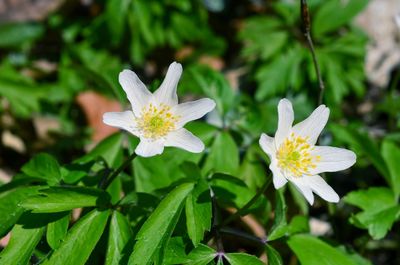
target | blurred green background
x=59, y=65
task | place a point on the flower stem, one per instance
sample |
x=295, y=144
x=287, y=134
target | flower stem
x=305, y=15
x=242, y=210
x=216, y=224
x=238, y=233
x=118, y=171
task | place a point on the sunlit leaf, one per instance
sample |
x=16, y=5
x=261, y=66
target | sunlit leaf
x=336, y=13
x=274, y=258
x=43, y=166
x=201, y=255
x=198, y=212
x=158, y=228
x=57, y=230
x=380, y=210
x=10, y=207
x=391, y=155
x=313, y=251
x=242, y=259
x=279, y=227
x=120, y=234
x=60, y=199
x=80, y=240
x=22, y=243
x=218, y=160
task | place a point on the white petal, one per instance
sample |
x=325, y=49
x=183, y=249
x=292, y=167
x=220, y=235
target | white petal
x=267, y=144
x=166, y=93
x=313, y=125
x=136, y=91
x=320, y=187
x=285, y=121
x=332, y=159
x=184, y=139
x=147, y=148
x=301, y=186
x=193, y=110
x=122, y=120
x=278, y=179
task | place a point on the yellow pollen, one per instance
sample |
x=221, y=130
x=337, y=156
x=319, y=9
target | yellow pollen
x=156, y=122
x=294, y=156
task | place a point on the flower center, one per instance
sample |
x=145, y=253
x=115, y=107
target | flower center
x=294, y=156
x=156, y=122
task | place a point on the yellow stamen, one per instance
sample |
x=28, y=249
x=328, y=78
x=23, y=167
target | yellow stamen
x=156, y=122
x=294, y=156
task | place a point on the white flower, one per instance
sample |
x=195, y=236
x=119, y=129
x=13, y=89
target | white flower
x=294, y=156
x=157, y=119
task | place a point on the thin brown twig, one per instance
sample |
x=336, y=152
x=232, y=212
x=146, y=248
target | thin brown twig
x=305, y=15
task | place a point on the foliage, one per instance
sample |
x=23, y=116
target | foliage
x=277, y=65
x=178, y=207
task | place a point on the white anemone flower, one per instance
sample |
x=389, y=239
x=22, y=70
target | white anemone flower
x=295, y=158
x=157, y=118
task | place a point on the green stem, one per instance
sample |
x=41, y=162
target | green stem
x=242, y=210
x=216, y=224
x=118, y=171
x=235, y=232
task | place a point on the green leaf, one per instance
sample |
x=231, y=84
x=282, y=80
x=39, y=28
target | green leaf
x=242, y=259
x=201, y=255
x=372, y=199
x=204, y=131
x=167, y=171
x=175, y=251
x=361, y=142
x=298, y=224
x=380, y=210
x=274, y=77
x=206, y=81
x=334, y=72
x=233, y=192
x=43, y=166
x=334, y=14
x=279, y=228
x=22, y=243
x=60, y=199
x=21, y=92
x=218, y=160
x=109, y=149
x=252, y=170
x=312, y=251
x=23, y=98
x=10, y=207
x=120, y=234
x=80, y=240
x=378, y=223
x=299, y=199
x=100, y=67
x=157, y=229
x=258, y=31
x=18, y=34
x=57, y=230
x=357, y=258
x=391, y=154
x=198, y=212
x=71, y=175
x=274, y=258
x=116, y=11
